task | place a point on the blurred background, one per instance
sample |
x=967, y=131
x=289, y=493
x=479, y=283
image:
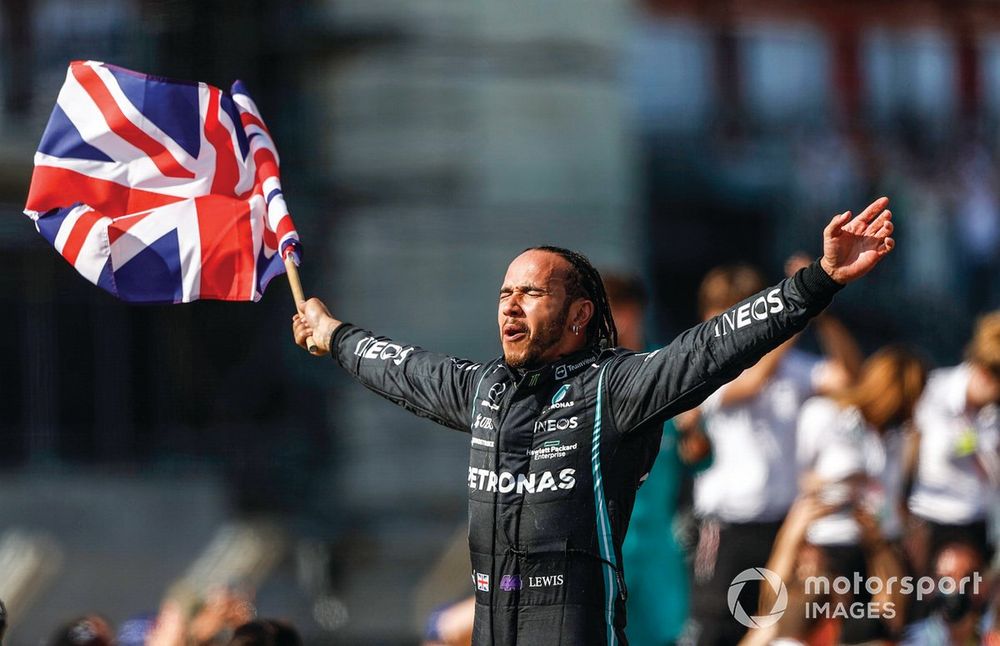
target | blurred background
x=155, y=450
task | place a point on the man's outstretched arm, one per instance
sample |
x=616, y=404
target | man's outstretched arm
x=681, y=375
x=430, y=385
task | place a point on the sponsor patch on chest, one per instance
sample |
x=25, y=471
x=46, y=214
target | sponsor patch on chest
x=557, y=424
x=521, y=483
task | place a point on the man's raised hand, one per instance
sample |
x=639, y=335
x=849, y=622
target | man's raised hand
x=313, y=320
x=852, y=247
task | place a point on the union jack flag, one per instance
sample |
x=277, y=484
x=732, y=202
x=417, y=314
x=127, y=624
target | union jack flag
x=161, y=191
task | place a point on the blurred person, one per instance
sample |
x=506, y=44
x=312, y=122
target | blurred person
x=655, y=572
x=88, y=630
x=851, y=449
x=956, y=614
x=265, y=632
x=957, y=472
x=793, y=560
x=991, y=619
x=851, y=445
x=563, y=425
x=807, y=619
x=887, y=610
x=210, y=623
x=744, y=495
x=452, y=624
x=218, y=616
x=3, y=621
x=136, y=631
x=169, y=628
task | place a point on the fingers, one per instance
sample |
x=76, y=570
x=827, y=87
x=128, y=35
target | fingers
x=874, y=209
x=309, y=304
x=871, y=212
x=865, y=224
x=878, y=223
x=832, y=230
x=300, y=331
x=313, y=309
x=303, y=336
x=882, y=227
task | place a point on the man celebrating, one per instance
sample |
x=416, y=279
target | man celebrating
x=564, y=424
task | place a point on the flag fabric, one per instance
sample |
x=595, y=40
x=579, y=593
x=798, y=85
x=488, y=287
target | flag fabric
x=161, y=191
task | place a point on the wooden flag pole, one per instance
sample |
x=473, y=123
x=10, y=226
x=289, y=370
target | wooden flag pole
x=293, y=281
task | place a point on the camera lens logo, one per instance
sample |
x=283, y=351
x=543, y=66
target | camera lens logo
x=753, y=576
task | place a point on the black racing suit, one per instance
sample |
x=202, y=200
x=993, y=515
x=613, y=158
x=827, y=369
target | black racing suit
x=557, y=453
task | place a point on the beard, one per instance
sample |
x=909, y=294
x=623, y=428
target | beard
x=538, y=343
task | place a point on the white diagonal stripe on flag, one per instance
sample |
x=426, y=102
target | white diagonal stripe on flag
x=94, y=253
x=118, y=173
x=67, y=226
x=257, y=225
x=140, y=121
x=246, y=171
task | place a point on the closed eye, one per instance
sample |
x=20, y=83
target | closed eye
x=527, y=290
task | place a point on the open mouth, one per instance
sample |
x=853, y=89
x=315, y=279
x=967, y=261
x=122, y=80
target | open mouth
x=514, y=333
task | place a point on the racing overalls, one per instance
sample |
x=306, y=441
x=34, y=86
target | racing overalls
x=558, y=452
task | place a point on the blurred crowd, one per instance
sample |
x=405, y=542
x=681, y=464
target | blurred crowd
x=865, y=472
x=223, y=617
x=945, y=192
x=832, y=466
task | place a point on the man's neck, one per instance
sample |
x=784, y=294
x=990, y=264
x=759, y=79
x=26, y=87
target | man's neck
x=520, y=371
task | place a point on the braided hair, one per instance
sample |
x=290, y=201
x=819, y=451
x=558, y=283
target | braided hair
x=584, y=281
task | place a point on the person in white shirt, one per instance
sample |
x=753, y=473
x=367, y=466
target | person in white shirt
x=958, y=467
x=851, y=452
x=742, y=498
x=851, y=446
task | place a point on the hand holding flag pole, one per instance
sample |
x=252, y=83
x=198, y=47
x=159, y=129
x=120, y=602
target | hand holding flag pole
x=293, y=281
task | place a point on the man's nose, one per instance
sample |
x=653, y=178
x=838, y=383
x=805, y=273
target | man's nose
x=512, y=305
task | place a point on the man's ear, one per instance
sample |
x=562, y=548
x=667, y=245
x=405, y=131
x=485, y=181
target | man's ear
x=581, y=313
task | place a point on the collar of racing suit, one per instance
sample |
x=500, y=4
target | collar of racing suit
x=560, y=369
